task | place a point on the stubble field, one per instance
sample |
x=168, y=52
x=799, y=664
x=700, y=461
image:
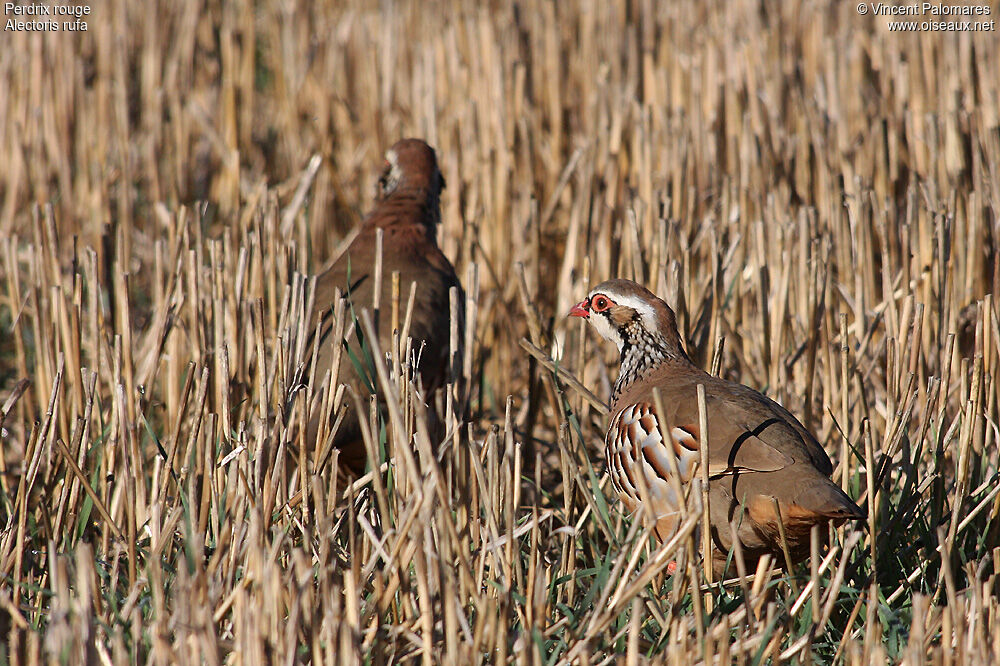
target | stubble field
x=816, y=197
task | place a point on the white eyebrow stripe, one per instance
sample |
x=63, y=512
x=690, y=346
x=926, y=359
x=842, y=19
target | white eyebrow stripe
x=627, y=300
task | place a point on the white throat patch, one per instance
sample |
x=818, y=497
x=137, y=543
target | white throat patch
x=390, y=180
x=606, y=329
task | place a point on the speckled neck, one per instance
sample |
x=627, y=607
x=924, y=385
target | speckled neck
x=642, y=352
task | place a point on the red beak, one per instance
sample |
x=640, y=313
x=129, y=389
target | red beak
x=580, y=309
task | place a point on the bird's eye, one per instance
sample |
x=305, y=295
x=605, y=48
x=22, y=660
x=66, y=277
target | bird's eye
x=600, y=303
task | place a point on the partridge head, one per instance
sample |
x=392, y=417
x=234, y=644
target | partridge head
x=764, y=466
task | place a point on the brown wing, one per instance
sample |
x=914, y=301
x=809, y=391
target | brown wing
x=748, y=407
x=746, y=431
x=406, y=249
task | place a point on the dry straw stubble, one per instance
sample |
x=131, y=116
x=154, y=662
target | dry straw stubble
x=795, y=179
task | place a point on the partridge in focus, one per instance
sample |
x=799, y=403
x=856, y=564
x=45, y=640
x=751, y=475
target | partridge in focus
x=757, y=451
x=407, y=211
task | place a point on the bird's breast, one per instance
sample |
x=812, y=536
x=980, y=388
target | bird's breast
x=637, y=456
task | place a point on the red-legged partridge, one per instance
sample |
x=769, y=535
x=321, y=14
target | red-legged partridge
x=407, y=211
x=757, y=451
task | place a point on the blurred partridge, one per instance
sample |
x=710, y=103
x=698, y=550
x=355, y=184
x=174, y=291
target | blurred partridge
x=407, y=211
x=758, y=453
